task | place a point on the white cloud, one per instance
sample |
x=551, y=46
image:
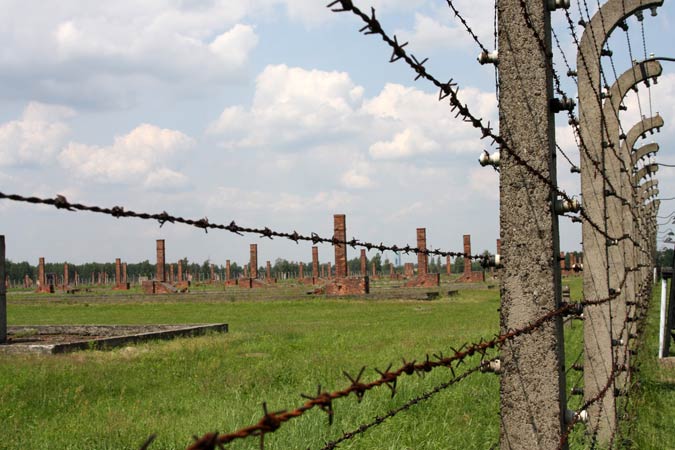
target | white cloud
x=485, y=181
x=71, y=50
x=441, y=30
x=138, y=157
x=407, y=143
x=232, y=198
x=358, y=176
x=290, y=105
x=35, y=138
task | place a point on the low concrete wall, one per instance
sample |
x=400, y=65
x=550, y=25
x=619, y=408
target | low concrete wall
x=113, y=336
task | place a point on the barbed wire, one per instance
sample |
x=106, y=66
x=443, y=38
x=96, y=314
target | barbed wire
x=464, y=23
x=407, y=405
x=449, y=90
x=272, y=421
x=60, y=202
x=614, y=372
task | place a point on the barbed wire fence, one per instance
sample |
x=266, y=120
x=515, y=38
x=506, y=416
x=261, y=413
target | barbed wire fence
x=618, y=228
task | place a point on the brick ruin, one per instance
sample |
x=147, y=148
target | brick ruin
x=469, y=276
x=315, y=262
x=314, y=279
x=364, y=263
x=250, y=282
x=120, y=276
x=574, y=266
x=42, y=285
x=448, y=265
x=268, y=273
x=408, y=270
x=423, y=278
x=342, y=284
x=160, y=285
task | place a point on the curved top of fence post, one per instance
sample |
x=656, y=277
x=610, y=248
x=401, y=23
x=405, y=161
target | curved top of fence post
x=640, y=72
x=648, y=124
x=648, y=169
x=595, y=34
x=603, y=22
x=643, y=151
x=646, y=186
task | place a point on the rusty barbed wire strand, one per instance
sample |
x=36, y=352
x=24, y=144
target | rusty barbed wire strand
x=602, y=72
x=466, y=26
x=558, y=87
x=603, y=392
x=60, y=202
x=407, y=405
x=272, y=421
x=449, y=90
x=572, y=119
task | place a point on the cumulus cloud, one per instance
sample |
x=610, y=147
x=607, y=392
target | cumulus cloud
x=294, y=108
x=36, y=136
x=138, y=157
x=442, y=31
x=291, y=105
x=408, y=142
x=232, y=198
x=94, y=53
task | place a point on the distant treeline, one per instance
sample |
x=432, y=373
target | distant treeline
x=17, y=270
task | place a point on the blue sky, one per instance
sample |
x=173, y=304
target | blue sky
x=269, y=112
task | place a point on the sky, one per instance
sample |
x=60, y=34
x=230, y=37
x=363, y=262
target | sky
x=274, y=113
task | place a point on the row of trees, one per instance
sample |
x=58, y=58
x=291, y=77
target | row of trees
x=17, y=271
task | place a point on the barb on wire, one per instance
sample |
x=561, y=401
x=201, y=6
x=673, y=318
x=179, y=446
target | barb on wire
x=466, y=26
x=407, y=405
x=450, y=91
x=60, y=202
x=270, y=422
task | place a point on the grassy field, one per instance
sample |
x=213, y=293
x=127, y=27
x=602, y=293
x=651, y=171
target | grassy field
x=273, y=352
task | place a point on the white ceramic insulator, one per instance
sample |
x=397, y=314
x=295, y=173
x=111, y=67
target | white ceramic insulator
x=487, y=159
x=489, y=57
x=557, y=4
x=571, y=416
x=564, y=206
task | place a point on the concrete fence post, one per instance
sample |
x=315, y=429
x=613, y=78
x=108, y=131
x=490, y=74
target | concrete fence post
x=619, y=205
x=601, y=257
x=532, y=391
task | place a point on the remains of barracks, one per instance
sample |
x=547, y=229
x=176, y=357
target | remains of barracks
x=342, y=284
x=469, y=276
x=423, y=278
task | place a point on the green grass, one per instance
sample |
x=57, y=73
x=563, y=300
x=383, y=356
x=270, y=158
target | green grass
x=273, y=352
x=652, y=406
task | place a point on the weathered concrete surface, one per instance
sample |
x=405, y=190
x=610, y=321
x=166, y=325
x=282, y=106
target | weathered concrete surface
x=532, y=388
x=617, y=163
x=26, y=339
x=598, y=278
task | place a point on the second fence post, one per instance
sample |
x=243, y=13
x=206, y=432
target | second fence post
x=532, y=392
